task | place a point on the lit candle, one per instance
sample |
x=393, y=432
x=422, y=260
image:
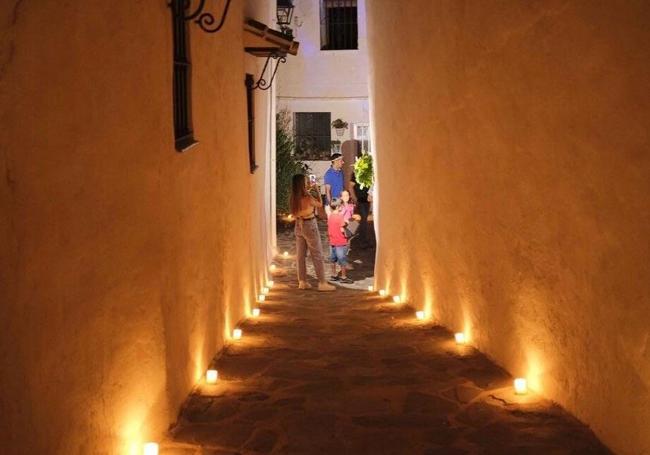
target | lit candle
x=261, y=298
x=150, y=448
x=419, y=315
x=256, y=312
x=290, y=217
x=270, y=283
x=521, y=386
x=265, y=290
x=371, y=288
x=460, y=338
x=211, y=376
x=382, y=292
x=285, y=254
x=236, y=334
x=272, y=267
x=397, y=299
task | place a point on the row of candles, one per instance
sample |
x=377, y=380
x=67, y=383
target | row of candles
x=520, y=385
x=212, y=375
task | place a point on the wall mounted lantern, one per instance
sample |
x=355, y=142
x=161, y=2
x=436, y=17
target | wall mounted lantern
x=284, y=14
x=205, y=20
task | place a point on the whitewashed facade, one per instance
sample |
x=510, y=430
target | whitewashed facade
x=327, y=81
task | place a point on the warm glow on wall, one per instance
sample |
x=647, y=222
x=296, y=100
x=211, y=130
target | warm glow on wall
x=534, y=369
x=460, y=338
x=521, y=386
x=211, y=376
x=420, y=315
x=150, y=448
x=261, y=298
x=237, y=334
x=428, y=299
x=256, y=312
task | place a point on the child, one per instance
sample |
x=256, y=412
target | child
x=347, y=208
x=338, y=242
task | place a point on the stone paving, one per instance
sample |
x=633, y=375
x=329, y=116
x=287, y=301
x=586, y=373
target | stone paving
x=348, y=372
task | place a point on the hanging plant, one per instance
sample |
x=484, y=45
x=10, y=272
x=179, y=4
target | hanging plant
x=339, y=124
x=363, y=171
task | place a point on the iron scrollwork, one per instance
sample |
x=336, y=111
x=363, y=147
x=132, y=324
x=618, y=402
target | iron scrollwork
x=262, y=83
x=205, y=20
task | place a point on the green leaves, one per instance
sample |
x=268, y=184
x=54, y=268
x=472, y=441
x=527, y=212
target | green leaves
x=286, y=163
x=363, y=171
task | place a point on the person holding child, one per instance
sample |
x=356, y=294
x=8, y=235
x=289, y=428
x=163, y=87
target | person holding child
x=338, y=242
x=303, y=205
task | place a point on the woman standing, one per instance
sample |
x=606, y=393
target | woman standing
x=303, y=206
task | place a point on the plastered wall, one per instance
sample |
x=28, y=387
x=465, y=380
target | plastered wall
x=352, y=111
x=513, y=189
x=124, y=264
x=324, y=74
x=318, y=80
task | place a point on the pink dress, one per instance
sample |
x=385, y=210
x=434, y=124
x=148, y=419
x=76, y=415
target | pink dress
x=347, y=211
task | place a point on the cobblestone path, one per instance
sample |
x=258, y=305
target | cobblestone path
x=351, y=373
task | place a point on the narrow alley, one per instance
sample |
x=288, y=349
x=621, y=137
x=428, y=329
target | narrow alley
x=491, y=159
x=350, y=372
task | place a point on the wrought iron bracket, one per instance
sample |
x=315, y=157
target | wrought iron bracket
x=262, y=83
x=205, y=20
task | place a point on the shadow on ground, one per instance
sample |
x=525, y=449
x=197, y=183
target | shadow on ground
x=348, y=372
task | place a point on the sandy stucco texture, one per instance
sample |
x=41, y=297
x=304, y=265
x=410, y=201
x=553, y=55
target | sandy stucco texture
x=512, y=146
x=120, y=272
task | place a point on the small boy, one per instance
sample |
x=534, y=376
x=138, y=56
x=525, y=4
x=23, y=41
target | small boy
x=338, y=242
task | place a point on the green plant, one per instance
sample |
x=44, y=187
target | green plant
x=286, y=163
x=339, y=124
x=363, y=171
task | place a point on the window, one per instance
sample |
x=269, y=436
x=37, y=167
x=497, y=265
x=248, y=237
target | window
x=313, y=135
x=183, y=134
x=338, y=24
x=361, y=133
x=250, y=107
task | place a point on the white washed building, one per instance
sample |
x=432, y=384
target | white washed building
x=328, y=78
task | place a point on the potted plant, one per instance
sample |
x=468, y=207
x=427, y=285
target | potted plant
x=340, y=126
x=363, y=171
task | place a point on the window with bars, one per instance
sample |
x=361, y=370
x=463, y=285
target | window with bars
x=338, y=24
x=361, y=133
x=250, y=107
x=183, y=134
x=313, y=135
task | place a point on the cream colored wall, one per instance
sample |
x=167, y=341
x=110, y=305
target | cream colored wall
x=324, y=74
x=122, y=271
x=325, y=81
x=350, y=110
x=262, y=196
x=514, y=179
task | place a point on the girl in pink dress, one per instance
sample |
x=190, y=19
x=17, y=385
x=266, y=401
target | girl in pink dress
x=347, y=207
